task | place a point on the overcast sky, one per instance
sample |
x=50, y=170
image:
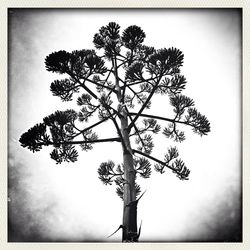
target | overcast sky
x=67, y=202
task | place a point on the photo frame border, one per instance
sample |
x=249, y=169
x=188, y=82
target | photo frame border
x=114, y=4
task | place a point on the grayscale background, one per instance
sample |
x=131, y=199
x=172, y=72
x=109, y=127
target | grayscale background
x=67, y=202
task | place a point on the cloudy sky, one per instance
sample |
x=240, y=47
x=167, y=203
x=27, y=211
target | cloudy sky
x=67, y=202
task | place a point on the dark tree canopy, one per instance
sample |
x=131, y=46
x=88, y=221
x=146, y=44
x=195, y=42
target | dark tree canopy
x=116, y=84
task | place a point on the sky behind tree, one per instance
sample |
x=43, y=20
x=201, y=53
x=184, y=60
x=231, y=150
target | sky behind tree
x=68, y=202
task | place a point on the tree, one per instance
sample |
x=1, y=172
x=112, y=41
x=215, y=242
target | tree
x=122, y=79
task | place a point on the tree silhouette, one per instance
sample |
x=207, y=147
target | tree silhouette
x=111, y=86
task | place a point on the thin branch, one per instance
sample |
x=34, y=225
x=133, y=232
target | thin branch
x=123, y=62
x=136, y=94
x=142, y=81
x=108, y=74
x=83, y=86
x=111, y=177
x=146, y=80
x=115, y=139
x=145, y=103
x=90, y=127
x=124, y=82
x=160, y=118
x=90, y=92
x=153, y=116
x=121, y=56
x=116, y=125
x=100, y=85
x=114, y=65
x=111, y=71
x=136, y=129
x=156, y=160
x=93, y=94
x=124, y=88
x=143, y=130
x=109, y=88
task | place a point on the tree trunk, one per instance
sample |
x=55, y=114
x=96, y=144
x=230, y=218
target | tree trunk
x=129, y=197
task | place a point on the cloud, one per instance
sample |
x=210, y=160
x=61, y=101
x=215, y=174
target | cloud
x=35, y=212
x=221, y=221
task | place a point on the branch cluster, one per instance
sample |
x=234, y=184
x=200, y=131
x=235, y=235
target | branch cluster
x=59, y=130
x=184, y=108
x=171, y=161
x=142, y=167
x=78, y=63
x=110, y=174
x=146, y=71
x=107, y=172
x=87, y=107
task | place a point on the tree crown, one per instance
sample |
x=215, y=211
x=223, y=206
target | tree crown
x=132, y=72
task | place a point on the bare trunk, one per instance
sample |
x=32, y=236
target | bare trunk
x=129, y=197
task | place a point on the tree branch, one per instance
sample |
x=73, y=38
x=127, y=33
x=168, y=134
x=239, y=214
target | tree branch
x=146, y=80
x=124, y=88
x=154, y=117
x=160, y=118
x=152, y=158
x=83, y=86
x=100, y=85
x=136, y=129
x=124, y=82
x=116, y=125
x=145, y=103
x=90, y=127
x=110, y=71
x=158, y=161
x=93, y=94
x=115, y=139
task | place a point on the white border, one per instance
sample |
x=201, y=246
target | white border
x=4, y=5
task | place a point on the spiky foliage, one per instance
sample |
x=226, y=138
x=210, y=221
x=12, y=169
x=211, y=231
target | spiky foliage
x=58, y=62
x=64, y=153
x=143, y=167
x=35, y=138
x=135, y=71
x=145, y=143
x=78, y=63
x=183, y=106
x=198, y=121
x=87, y=107
x=132, y=37
x=131, y=72
x=109, y=173
x=172, y=86
x=108, y=39
x=171, y=161
x=64, y=89
x=88, y=136
x=120, y=191
x=173, y=133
